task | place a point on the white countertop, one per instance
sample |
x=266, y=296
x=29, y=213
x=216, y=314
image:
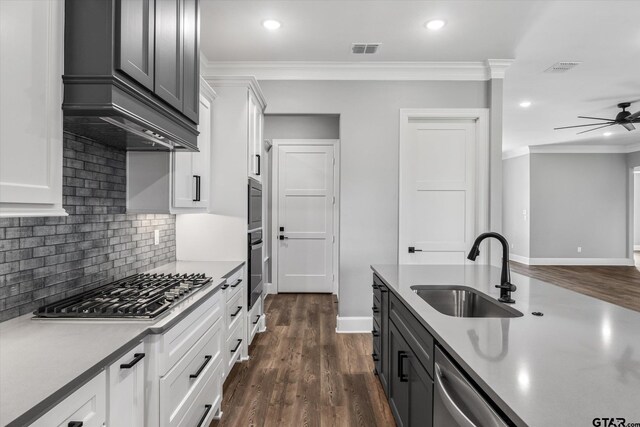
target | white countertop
x=581, y=360
x=43, y=361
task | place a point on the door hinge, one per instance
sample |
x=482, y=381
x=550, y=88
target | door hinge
x=334, y=161
x=334, y=200
x=333, y=277
x=333, y=239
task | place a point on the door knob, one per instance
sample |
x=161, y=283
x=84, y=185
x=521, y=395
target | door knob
x=283, y=237
x=413, y=250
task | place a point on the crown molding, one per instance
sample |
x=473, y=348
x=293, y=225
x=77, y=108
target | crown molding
x=570, y=149
x=247, y=81
x=309, y=70
x=207, y=90
x=498, y=67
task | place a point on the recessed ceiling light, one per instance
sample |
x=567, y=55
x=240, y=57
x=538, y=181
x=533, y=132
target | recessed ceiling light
x=435, y=24
x=525, y=104
x=608, y=133
x=271, y=24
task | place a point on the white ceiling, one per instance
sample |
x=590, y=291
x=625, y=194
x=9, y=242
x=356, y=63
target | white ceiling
x=603, y=35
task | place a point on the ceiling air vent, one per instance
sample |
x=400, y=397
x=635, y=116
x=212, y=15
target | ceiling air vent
x=562, y=67
x=364, y=48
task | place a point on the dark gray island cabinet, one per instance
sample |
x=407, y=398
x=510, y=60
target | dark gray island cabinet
x=423, y=386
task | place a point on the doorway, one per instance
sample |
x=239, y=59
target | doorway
x=636, y=216
x=443, y=194
x=305, y=215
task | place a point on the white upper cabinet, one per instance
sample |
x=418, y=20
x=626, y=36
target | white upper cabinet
x=255, y=155
x=174, y=182
x=31, y=61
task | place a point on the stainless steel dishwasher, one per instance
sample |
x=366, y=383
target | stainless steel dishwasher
x=456, y=401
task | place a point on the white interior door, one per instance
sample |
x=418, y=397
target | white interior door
x=305, y=217
x=437, y=191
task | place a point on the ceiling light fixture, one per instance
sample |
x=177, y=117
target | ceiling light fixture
x=525, y=104
x=271, y=24
x=435, y=24
x=608, y=133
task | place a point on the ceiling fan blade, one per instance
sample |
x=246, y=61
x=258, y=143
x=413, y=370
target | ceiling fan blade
x=628, y=126
x=594, y=118
x=579, y=126
x=589, y=130
x=634, y=116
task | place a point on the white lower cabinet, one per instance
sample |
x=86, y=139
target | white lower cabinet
x=187, y=378
x=126, y=378
x=86, y=407
x=207, y=402
x=256, y=320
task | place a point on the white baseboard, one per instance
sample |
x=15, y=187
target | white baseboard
x=574, y=261
x=353, y=325
x=636, y=247
x=270, y=288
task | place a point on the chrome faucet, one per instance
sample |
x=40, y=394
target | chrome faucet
x=505, y=286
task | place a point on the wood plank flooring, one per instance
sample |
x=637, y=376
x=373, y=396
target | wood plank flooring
x=301, y=373
x=617, y=285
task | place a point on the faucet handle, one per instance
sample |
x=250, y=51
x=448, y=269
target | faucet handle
x=508, y=286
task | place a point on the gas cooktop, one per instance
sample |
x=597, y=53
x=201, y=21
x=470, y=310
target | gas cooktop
x=141, y=296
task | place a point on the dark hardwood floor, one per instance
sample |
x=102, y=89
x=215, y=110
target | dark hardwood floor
x=617, y=285
x=301, y=373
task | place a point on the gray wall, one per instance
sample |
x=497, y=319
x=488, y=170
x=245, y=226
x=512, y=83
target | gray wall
x=636, y=209
x=43, y=260
x=369, y=132
x=277, y=126
x=516, y=197
x=579, y=200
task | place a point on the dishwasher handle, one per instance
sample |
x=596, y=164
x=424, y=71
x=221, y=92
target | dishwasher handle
x=449, y=384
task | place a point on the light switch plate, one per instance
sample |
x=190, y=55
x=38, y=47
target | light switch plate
x=156, y=237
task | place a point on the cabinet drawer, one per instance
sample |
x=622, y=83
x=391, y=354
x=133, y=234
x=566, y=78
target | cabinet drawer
x=376, y=308
x=207, y=402
x=235, y=310
x=376, y=334
x=255, y=315
x=87, y=405
x=187, y=378
x=234, y=346
x=420, y=341
x=178, y=340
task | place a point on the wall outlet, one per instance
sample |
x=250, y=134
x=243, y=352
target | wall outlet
x=156, y=237
x=579, y=249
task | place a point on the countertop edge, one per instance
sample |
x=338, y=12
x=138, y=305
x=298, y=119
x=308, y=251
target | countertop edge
x=495, y=398
x=59, y=395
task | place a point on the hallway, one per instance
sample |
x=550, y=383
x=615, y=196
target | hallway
x=301, y=373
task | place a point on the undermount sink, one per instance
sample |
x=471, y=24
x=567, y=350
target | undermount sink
x=463, y=301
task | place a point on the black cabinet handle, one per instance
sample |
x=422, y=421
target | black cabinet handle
x=257, y=319
x=401, y=356
x=75, y=424
x=375, y=357
x=374, y=286
x=225, y=286
x=237, y=283
x=383, y=289
x=237, y=311
x=258, y=158
x=375, y=309
x=136, y=358
x=375, y=333
x=197, y=178
x=237, y=346
x=207, y=359
x=207, y=408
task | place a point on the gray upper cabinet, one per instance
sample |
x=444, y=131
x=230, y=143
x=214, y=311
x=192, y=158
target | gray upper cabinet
x=191, y=69
x=170, y=52
x=131, y=72
x=134, y=40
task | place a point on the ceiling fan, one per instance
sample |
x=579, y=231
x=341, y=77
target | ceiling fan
x=623, y=118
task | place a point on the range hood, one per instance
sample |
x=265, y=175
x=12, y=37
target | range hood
x=131, y=73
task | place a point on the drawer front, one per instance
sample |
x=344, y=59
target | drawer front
x=376, y=334
x=87, y=405
x=234, y=346
x=420, y=341
x=177, y=341
x=207, y=403
x=186, y=379
x=126, y=378
x=254, y=317
x=235, y=310
x=377, y=293
x=234, y=284
x=376, y=308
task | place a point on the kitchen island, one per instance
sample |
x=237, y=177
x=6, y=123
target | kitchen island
x=580, y=360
